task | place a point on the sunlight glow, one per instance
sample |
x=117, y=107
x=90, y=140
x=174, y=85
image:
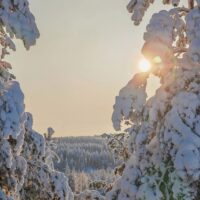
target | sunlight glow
x=157, y=60
x=144, y=65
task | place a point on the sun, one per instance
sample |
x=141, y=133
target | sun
x=144, y=65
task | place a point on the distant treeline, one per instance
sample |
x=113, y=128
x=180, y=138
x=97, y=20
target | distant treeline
x=86, y=153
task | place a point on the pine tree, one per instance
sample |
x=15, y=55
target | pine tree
x=164, y=130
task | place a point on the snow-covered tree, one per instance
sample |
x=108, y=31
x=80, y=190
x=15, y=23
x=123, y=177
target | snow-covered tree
x=164, y=130
x=16, y=21
x=42, y=182
x=22, y=150
x=50, y=149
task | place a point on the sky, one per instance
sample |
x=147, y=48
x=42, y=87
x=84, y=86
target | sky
x=88, y=50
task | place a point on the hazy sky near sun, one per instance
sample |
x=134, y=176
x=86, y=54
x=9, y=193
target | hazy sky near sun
x=87, y=51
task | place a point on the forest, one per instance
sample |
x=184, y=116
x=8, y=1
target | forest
x=84, y=160
x=83, y=154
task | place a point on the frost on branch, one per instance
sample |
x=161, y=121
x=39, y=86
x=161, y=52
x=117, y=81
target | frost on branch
x=164, y=159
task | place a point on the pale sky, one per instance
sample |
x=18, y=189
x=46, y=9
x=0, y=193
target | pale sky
x=88, y=50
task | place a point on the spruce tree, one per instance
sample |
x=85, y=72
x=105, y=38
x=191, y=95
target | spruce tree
x=164, y=130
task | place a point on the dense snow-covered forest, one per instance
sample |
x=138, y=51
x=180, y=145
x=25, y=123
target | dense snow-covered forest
x=83, y=154
x=86, y=161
